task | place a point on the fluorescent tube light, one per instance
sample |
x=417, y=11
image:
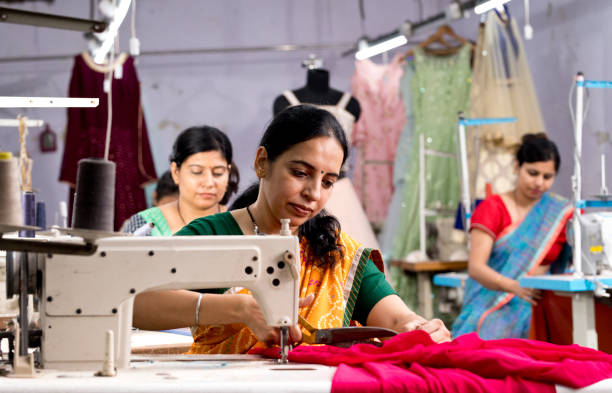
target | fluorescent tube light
x=489, y=5
x=381, y=47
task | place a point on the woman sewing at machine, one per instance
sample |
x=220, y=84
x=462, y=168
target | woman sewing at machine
x=518, y=233
x=297, y=162
x=201, y=166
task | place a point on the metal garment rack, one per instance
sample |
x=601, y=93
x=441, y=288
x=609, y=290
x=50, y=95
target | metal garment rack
x=442, y=16
x=424, y=212
x=462, y=123
x=196, y=51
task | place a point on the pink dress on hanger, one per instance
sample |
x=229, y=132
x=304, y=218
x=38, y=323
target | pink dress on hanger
x=376, y=135
x=343, y=203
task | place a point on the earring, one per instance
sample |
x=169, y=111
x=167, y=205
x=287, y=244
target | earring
x=260, y=173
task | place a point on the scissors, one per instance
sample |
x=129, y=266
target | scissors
x=344, y=336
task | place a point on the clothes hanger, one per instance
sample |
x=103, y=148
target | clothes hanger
x=438, y=38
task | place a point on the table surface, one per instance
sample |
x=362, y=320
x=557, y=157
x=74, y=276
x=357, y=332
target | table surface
x=429, y=266
x=565, y=282
x=184, y=373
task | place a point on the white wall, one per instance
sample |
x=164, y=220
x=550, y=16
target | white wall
x=235, y=91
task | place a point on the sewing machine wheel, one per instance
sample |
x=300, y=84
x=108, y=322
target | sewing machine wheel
x=13, y=273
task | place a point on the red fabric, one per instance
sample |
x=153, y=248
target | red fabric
x=551, y=321
x=492, y=216
x=413, y=362
x=129, y=145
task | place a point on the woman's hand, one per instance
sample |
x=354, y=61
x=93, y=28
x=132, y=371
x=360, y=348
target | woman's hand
x=528, y=294
x=255, y=320
x=434, y=327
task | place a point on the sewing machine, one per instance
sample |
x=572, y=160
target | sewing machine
x=596, y=239
x=87, y=288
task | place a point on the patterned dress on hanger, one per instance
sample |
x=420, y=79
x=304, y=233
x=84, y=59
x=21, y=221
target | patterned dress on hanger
x=440, y=89
x=377, y=133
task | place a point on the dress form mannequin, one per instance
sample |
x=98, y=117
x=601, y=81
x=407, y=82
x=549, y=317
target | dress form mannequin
x=343, y=203
x=317, y=91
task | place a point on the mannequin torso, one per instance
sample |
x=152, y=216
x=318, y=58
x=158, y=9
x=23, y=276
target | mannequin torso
x=318, y=92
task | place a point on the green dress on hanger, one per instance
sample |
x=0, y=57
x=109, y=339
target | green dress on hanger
x=440, y=89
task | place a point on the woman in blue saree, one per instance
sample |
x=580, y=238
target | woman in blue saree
x=515, y=234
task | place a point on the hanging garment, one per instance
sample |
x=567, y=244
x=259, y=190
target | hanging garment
x=502, y=87
x=129, y=144
x=377, y=87
x=343, y=203
x=440, y=89
x=402, y=158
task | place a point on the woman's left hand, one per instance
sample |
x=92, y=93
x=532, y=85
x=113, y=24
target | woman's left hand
x=434, y=327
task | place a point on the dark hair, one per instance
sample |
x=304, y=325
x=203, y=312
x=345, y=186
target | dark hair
x=201, y=139
x=165, y=186
x=537, y=148
x=295, y=125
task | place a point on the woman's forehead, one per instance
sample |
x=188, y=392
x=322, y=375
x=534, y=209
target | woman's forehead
x=321, y=152
x=206, y=158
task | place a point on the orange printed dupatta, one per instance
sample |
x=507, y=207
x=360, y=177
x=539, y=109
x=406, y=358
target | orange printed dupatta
x=335, y=289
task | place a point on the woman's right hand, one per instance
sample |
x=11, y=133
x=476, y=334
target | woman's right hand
x=254, y=319
x=528, y=294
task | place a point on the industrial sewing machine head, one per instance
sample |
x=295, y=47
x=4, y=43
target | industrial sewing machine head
x=87, y=288
x=596, y=242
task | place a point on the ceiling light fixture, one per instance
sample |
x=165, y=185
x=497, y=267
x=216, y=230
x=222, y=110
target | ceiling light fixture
x=382, y=46
x=488, y=5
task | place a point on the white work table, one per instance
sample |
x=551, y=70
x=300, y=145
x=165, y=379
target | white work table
x=184, y=373
x=583, y=307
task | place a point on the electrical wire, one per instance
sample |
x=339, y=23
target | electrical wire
x=109, y=96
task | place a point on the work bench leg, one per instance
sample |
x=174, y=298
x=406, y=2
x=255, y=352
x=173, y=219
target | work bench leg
x=425, y=297
x=583, y=319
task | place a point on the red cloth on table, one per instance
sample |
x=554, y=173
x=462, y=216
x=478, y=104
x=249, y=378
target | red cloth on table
x=492, y=216
x=413, y=362
x=129, y=144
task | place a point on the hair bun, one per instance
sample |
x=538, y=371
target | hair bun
x=532, y=137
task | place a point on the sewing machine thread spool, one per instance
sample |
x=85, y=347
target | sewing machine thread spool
x=28, y=203
x=41, y=215
x=94, y=200
x=10, y=197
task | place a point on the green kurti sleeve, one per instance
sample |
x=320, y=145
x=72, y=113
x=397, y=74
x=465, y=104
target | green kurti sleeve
x=218, y=224
x=373, y=288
